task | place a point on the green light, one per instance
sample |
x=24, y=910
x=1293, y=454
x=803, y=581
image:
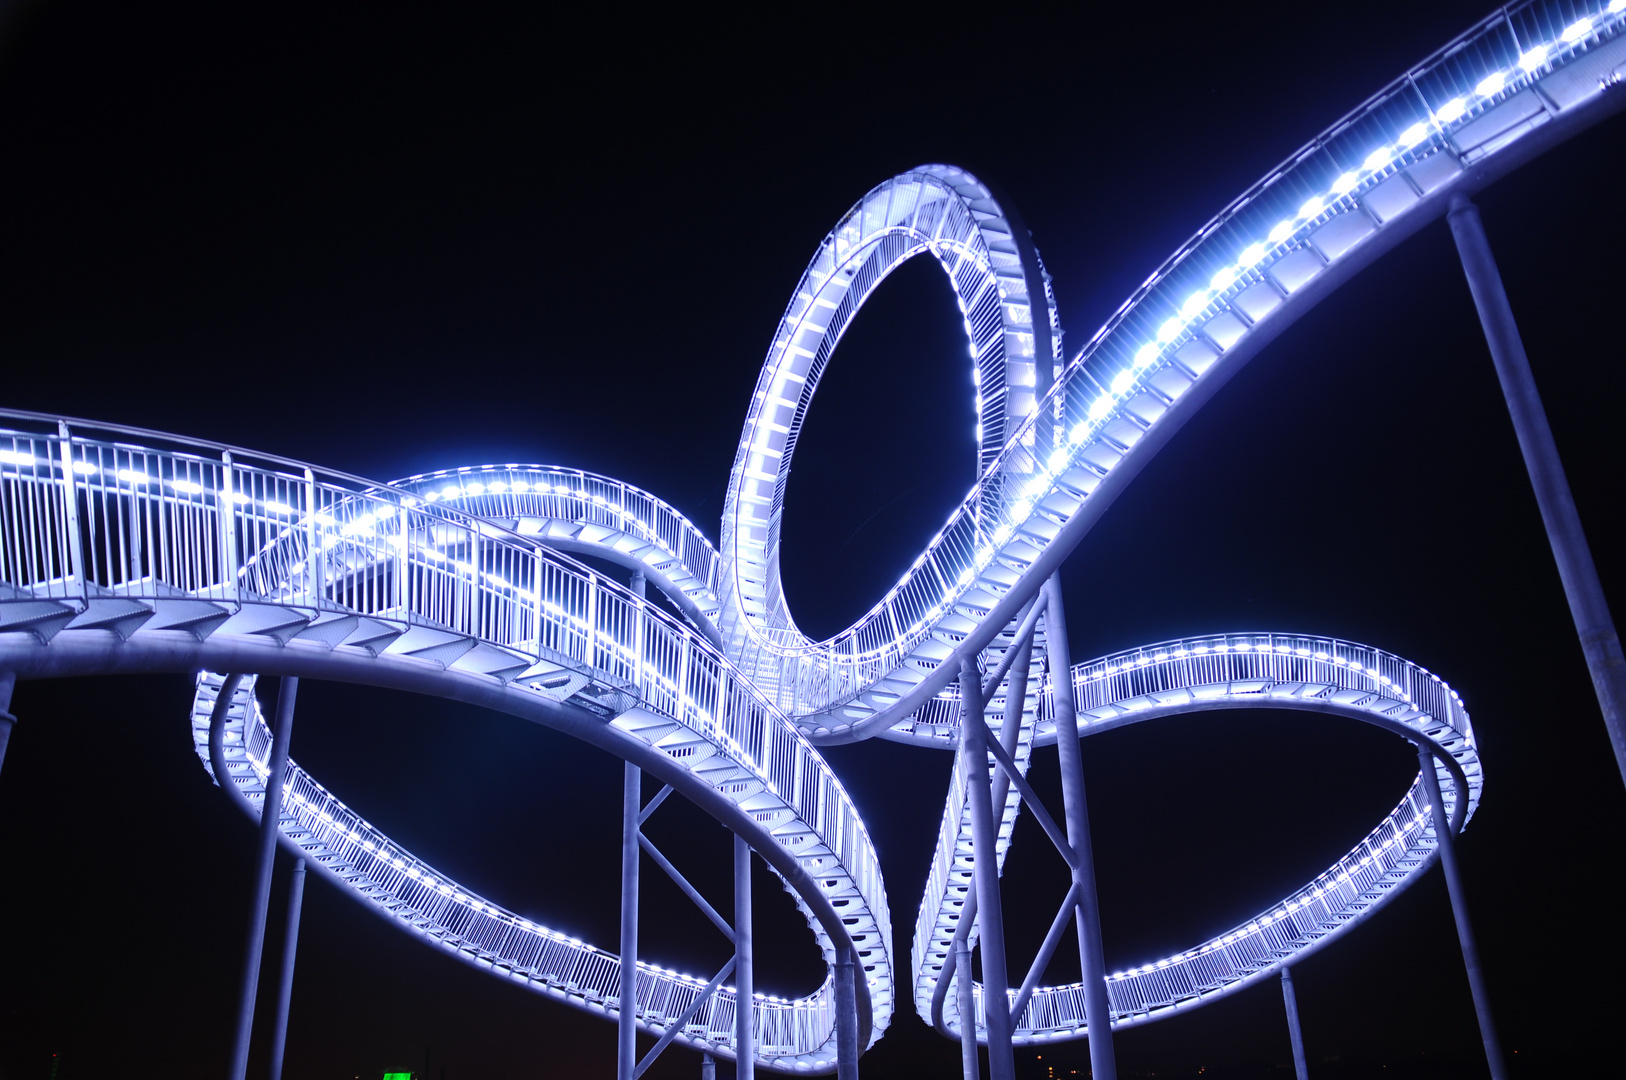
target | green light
x=398, y=1076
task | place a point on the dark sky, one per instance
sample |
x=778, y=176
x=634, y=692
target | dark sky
x=390, y=242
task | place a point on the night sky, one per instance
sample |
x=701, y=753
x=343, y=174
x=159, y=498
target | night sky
x=389, y=242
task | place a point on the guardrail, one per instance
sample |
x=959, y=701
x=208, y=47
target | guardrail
x=107, y=533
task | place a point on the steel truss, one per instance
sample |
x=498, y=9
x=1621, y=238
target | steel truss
x=124, y=550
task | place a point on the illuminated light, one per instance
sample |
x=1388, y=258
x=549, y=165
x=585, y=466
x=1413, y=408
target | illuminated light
x=1194, y=303
x=1345, y=183
x=1281, y=232
x=1079, y=434
x=1058, y=461
x=17, y=457
x=475, y=488
x=1490, y=84
x=1100, y=407
x=1534, y=58
x=1146, y=356
x=1616, y=6
x=1414, y=134
x=1222, y=280
x=130, y=476
x=1170, y=330
x=1377, y=159
x=498, y=487
x=1251, y=254
x=185, y=487
x=1452, y=110
x=1311, y=208
x=520, y=487
x=450, y=492
x=85, y=468
x=1577, y=30
x=1123, y=381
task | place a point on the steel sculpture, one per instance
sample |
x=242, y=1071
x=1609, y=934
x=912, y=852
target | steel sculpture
x=126, y=550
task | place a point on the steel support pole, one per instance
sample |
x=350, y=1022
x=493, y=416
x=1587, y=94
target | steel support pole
x=708, y=1066
x=847, y=1048
x=966, y=998
x=626, y=1052
x=984, y=835
x=1588, y=606
x=745, y=1044
x=270, y=825
x=1459, y=909
x=285, y=985
x=8, y=681
x=1091, y=958
x=1296, y=1036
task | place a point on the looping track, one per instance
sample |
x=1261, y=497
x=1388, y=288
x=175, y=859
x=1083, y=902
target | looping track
x=133, y=551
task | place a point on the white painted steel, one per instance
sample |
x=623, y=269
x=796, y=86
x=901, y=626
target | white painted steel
x=122, y=547
x=1222, y=672
x=182, y=545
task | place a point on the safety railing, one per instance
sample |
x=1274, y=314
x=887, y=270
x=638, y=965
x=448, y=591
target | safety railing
x=1297, y=219
x=85, y=518
x=1239, y=669
x=410, y=891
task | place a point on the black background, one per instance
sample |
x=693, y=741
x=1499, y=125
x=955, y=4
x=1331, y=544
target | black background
x=391, y=241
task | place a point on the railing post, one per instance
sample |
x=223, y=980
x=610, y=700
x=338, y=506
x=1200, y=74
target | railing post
x=226, y=502
x=70, y=490
x=285, y=984
x=1459, y=909
x=1296, y=1036
x=745, y=1044
x=1588, y=606
x=638, y=586
x=403, y=571
x=984, y=834
x=314, y=562
x=1091, y=957
x=626, y=1057
x=270, y=826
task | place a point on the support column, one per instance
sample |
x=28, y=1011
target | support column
x=745, y=1043
x=285, y=986
x=984, y=837
x=1091, y=958
x=8, y=681
x=1588, y=606
x=1459, y=909
x=708, y=1066
x=626, y=1053
x=1290, y=999
x=270, y=826
x=847, y=1048
x=966, y=997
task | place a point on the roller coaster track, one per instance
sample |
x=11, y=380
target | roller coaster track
x=126, y=550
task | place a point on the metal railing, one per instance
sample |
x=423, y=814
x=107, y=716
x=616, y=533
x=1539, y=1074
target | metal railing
x=1239, y=669
x=412, y=893
x=203, y=534
x=1470, y=99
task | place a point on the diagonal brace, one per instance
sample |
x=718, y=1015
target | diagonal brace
x=1031, y=797
x=1024, y=635
x=683, y=883
x=654, y=804
x=682, y=1021
x=1057, y=927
